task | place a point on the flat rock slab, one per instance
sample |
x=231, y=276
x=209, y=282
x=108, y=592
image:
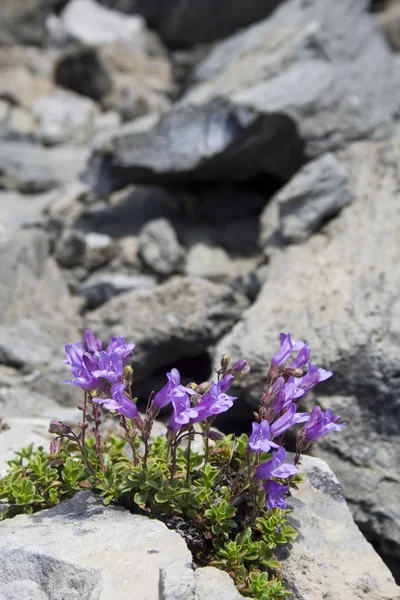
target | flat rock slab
x=331, y=558
x=82, y=550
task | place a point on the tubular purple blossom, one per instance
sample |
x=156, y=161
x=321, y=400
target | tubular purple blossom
x=260, y=438
x=173, y=391
x=119, y=402
x=275, y=467
x=276, y=494
x=110, y=367
x=319, y=424
x=289, y=418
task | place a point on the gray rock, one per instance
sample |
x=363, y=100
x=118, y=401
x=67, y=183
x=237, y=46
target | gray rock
x=19, y=210
x=180, y=318
x=183, y=23
x=159, y=247
x=91, y=24
x=340, y=291
x=31, y=286
x=29, y=168
x=246, y=113
x=209, y=261
x=99, y=250
x=70, y=248
x=101, y=287
x=64, y=117
x=24, y=345
x=331, y=559
x=60, y=553
x=215, y=584
x=316, y=193
x=23, y=22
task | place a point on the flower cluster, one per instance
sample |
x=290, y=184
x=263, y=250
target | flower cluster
x=106, y=377
x=102, y=372
x=289, y=379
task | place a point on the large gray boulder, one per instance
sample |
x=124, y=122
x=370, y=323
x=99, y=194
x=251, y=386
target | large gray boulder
x=83, y=550
x=330, y=559
x=32, y=287
x=180, y=318
x=309, y=79
x=340, y=291
x=188, y=22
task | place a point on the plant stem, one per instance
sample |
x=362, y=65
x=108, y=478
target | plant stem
x=130, y=440
x=84, y=418
x=188, y=460
x=96, y=414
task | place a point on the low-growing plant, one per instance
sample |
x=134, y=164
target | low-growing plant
x=228, y=500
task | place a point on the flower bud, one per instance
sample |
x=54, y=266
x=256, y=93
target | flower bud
x=225, y=360
x=202, y=388
x=128, y=374
x=59, y=428
x=240, y=369
x=215, y=435
x=55, y=446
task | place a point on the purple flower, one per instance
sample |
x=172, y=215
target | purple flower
x=260, y=438
x=74, y=353
x=313, y=377
x=119, y=402
x=173, y=391
x=319, y=424
x=275, y=467
x=92, y=344
x=110, y=367
x=240, y=369
x=289, y=418
x=83, y=378
x=286, y=350
x=183, y=413
x=215, y=401
x=276, y=494
x=118, y=346
x=286, y=395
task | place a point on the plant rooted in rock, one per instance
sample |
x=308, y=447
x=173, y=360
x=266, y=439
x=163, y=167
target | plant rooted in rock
x=228, y=501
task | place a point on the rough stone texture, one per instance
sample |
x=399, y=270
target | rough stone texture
x=181, y=317
x=316, y=193
x=209, y=261
x=23, y=22
x=60, y=553
x=100, y=249
x=331, y=559
x=31, y=286
x=31, y=169
x=91, y=24
x=340, y=291
x=188, y=22
x=159, y=247
x=22, y=86
x=246, y=113
x=215, y=584
x=24, y=345
x=70, y=248
x=101, y=287
x=18, y=210
x=64, y=117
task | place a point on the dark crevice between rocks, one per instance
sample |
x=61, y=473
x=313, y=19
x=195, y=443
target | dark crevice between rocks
x=196, y=369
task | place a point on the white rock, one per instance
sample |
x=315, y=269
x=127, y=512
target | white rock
x=92, y=24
